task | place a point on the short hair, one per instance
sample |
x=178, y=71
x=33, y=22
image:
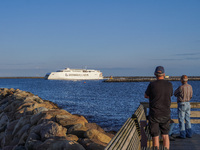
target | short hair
x=184, y=78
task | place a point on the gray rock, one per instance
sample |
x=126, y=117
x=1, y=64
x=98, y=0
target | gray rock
x=60, y=144
x=22, y=121
x=39, y=110
x=3, y=121
x=51, y=129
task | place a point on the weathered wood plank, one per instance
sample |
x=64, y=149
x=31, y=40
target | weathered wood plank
x=195, y=114
x=195, y=104
x=140, y=113
x=193, y=121
x=174, y=104
x=115, y=141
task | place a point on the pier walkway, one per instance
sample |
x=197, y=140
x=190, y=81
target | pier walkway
x=134, y=134
x=186, y=144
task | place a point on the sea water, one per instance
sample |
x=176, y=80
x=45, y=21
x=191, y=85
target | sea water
x=107, y=104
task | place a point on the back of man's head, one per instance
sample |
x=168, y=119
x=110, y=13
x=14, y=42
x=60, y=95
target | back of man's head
x=184, y=78
x=159, y=71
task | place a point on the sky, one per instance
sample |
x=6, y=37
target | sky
x=118, y=37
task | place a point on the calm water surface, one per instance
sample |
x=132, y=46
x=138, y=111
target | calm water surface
x=107, y=104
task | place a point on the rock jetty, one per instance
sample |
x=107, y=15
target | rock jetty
x=28, y=122
x=147, y=78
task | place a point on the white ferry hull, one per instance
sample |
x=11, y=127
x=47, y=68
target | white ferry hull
x=75, y=74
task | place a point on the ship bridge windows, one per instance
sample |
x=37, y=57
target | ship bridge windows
x=78, y=74
x=76, y=71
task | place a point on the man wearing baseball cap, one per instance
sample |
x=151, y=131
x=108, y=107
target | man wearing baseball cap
x=159, y=93
x=184, y=95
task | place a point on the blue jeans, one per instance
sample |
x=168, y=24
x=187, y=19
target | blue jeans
x=184, y=115
x=171, y=127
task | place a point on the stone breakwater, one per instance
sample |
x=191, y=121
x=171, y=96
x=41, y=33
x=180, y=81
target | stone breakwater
x=28, y=122
x=148, y=79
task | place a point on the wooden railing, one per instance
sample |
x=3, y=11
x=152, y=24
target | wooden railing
x=195, y=114
x=134, y=134
x=129, y=136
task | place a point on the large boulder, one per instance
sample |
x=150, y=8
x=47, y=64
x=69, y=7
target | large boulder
x=8, y=137
x=89, y=144
x=60, y=144
x=70, y=120
x=94, y=134
x=51, y=129
x=3, y=121
x=94, y=126
x=21, y=123
x=78, y=130
x=71, y=137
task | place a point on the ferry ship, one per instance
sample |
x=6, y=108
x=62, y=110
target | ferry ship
x=75, y=74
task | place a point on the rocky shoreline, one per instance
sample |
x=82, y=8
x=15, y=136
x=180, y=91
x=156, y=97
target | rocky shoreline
x=28, y=122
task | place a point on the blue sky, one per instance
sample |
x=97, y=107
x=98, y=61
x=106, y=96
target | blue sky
x=128, y=37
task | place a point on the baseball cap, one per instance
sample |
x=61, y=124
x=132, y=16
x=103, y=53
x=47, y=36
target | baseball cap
x=184, y=78
x=159, y=70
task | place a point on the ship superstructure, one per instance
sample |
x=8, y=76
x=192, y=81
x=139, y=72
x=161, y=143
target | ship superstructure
x=75, y=74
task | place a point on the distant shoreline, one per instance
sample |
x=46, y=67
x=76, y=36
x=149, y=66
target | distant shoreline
x=123, y=78
x=21, y=77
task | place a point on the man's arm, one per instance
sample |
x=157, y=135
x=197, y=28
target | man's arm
x=191, y=93
x=176, y=92
x=146, y=94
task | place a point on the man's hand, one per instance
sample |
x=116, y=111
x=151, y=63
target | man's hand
x=145, y=96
